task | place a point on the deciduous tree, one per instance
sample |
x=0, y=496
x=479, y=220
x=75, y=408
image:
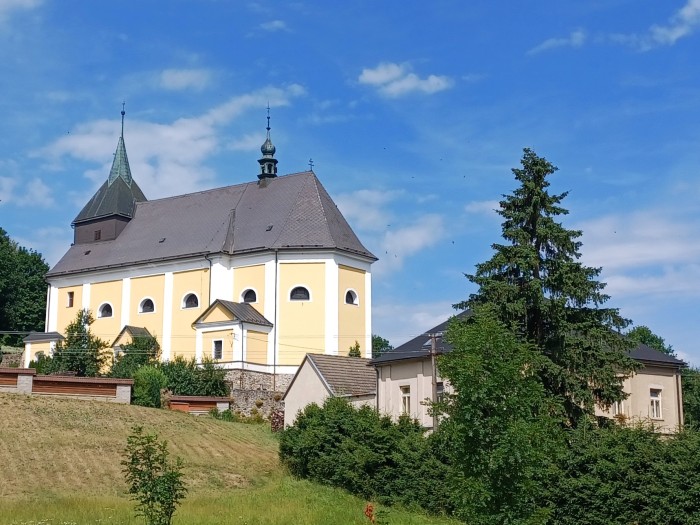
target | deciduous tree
x=379, y=346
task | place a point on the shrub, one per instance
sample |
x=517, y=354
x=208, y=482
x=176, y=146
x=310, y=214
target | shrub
x=154, y=481
x=140, y=352
x=148, y=382
x=186, y=378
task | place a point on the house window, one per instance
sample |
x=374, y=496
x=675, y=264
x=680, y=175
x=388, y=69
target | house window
x=147, y=307
x=299, y=294
x=351, y=297
x=440, y=387
x=618, y=408
x=249, y=296
x=406, y=400
x=105, y=310
x=71, y=297
x=655, y=403
x=190, y=301
x=218, y=349
x=98, y=235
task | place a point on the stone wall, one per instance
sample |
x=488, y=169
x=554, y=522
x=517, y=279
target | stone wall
x=256, y=402
x=250, y=380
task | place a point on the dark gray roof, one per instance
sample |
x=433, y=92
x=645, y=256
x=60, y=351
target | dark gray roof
x=345, y=376
x=292, y=211
x=35, y=337
x=419, y=347
x=646, y=354
x=134, y=331
x=118, y=195
x=242, y=311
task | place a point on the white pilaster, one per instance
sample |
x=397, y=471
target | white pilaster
x=168, y=306
x=221, y=281
x=198, y=341
x=52, y=310
x=126, y=300
x=86, y=296
x=331, y=307
x=368, y=314
x=27, y=354
x=238, y=343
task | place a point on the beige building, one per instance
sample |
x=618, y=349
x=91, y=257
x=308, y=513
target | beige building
x=405, y=378
x=323, y=376
x=191, y=269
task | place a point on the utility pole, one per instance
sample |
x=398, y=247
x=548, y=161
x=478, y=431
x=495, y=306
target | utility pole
x=433, y=353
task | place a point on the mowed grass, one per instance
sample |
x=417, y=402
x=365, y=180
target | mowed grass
x=60, y=465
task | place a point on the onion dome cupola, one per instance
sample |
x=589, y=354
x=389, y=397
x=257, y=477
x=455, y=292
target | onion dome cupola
x=268, y=162
x=110, y=209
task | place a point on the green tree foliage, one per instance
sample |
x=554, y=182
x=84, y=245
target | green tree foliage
x=22, y=290
x=690, y=381
x=503, y=433
x=155, y=482
x=366, y=454
x=379, y=346
x=140, y=352
x=643, y=335
x=552, y=300
x=148, y=383
x=355, y=350
x=186, y=378
x=81, y=351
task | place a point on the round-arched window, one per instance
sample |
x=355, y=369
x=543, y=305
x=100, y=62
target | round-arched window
x=147, y=306
x=351, y=297
x=249, y=296
x=190, y=301
x=105, y=310
x=299, y=293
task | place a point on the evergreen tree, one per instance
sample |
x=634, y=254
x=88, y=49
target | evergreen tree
x=81, y=351
x=355, y=350
x=541, y=290
x=643, y=335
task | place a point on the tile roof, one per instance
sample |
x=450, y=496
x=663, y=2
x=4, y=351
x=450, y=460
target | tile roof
x=650, y=355
x=119, y=193
x=345, y=376
x=244, y=312
x=288, y=212
x=134, y=331
x=34, y=337
x=419, y=346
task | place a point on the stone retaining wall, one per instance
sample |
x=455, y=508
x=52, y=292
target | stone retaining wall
x=250, y=380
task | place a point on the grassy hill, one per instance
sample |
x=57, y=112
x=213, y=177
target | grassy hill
x=60, y=464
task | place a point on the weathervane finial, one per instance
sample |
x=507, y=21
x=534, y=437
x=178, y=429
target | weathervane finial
x=268, y=118
x=311, y=164
x=123, y=113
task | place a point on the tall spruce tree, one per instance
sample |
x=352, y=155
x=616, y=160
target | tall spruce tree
x=540, y=289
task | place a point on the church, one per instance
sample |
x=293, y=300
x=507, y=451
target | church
x=254, y=275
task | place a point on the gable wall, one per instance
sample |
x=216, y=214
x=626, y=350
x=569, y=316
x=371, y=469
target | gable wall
x=351, y=318
x=306, y=388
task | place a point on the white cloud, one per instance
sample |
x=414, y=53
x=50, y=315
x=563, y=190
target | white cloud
x=395, y=80
x=248, y=142
x=487, y=208
x=400, y=322
x=7, y=186
x=50, y=242
x=399, y=243
x=681, y=24
x=274, y=25
x=165, y=159
x=8, y=6
x=575, y=39
x=180, y=79
x=36, y=193
x=367, y=210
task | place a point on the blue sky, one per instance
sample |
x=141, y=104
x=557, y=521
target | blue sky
x=413, y=112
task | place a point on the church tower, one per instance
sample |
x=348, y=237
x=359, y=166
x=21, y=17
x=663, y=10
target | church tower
x=108, y=211
x=268, y=162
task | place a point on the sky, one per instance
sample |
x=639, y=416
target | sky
x=413, y=112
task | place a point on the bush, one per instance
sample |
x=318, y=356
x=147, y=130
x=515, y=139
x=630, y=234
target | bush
x=140, y=352
x=154, y=481
x=148, y=382
x=185, y=378
x=365, y=454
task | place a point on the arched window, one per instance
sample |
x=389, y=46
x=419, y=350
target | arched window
x=190, y=301
x=147, y=306
x=299, y=294
x=104, y=310
x=351, y=297
x=249, y=296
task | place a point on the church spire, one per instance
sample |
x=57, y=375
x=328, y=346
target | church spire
x=268, y=162
x=120, y=165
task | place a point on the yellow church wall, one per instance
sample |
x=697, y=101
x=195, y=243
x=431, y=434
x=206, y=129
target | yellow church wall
x=301, y=326
x=250, y=277
x=39, y=346
x=256, y=347
x=351, y=317
x=183, y=334
x=66, y=314
x=151, y=287
x=106, y=328
x=226, y=337
x=217, y=315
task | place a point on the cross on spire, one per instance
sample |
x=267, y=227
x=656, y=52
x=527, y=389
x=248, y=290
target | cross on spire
x=311, y=164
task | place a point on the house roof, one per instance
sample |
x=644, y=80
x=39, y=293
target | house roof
x=133, y=331
x=344, y=376
x=119, y=193
x=244, y=312
x=646, y=354
x=35, y=337
x=288, y=212
x=419, y=346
